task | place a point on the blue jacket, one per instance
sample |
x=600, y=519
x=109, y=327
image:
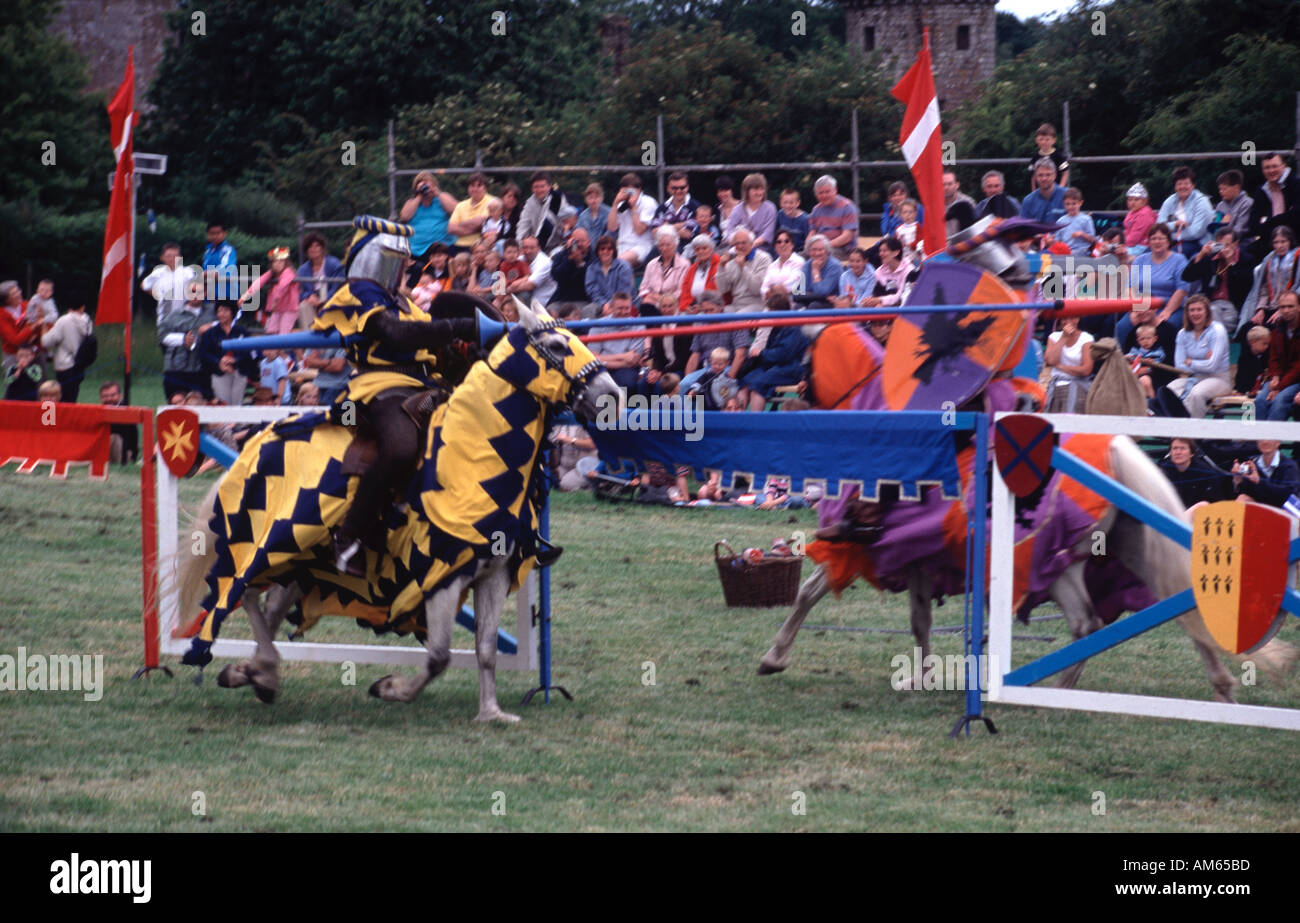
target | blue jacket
x=1036, y=208
x=1199, y=215
x=1277, y=488
x=333, y=269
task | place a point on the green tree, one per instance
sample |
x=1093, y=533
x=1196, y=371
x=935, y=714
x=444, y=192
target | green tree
x=43, y=102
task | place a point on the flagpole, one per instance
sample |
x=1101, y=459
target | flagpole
x=130, y=281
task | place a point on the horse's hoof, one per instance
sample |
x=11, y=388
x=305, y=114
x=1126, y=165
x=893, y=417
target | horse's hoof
x=497, y=715
x=265, y=694
x=378, y=684
x=228, y=678
x=767, y=669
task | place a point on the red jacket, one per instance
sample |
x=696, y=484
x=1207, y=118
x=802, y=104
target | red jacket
x=1284, y=357
x=14, y=333
x=710, y=281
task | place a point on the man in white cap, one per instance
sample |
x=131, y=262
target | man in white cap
x=1141, y=216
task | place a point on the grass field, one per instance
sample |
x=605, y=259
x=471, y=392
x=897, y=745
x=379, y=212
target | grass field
x=710, y=746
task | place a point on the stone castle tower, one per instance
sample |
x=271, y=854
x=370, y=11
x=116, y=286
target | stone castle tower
x=963, y=39
x=103, y=30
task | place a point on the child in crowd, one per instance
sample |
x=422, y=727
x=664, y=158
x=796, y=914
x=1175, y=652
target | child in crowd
x=705, y=225
x=482, y=285
x=1045, y=142
x=512, y=266
x=458, y=273
x=275, y=375
x=1075, y=229
x=423, y=293
x=494, y=224
x=1234, y=206
x=792, y=218
x=908, y=231
x=1257, y=339
x=41, y=308
x=22, y=382
x=716, y=387
x=1148, y=347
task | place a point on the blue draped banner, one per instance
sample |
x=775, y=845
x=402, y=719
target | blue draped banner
x=831, y=447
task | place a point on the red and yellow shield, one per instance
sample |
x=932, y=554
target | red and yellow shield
x=178, y=439
x=1239, y=571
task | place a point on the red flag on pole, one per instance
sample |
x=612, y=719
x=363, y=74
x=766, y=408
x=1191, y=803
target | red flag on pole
x=922, y=141
x=115, y=279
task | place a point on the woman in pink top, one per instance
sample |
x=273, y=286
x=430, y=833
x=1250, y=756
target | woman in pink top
x=1140, y=217
x=891, y=274
x=280, y=309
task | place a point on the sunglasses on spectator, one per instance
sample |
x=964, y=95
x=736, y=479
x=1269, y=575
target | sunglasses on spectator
x=676, y=188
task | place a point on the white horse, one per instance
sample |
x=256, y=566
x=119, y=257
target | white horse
x=540, y=364
x=1161, y=563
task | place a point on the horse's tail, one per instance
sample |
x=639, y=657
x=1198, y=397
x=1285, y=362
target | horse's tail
x=196, y=551
x=1170, y=566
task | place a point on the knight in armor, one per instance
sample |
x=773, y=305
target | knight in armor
x=396, y=358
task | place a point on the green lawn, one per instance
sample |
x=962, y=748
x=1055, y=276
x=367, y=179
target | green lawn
x=710, y=746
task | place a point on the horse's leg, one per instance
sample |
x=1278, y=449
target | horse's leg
x=262, y=672
x=490, y=591
x=921, y=609
x=813, y=589
x=1071, y=594
x=439, y=613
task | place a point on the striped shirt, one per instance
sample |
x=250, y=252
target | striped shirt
x=834, y=219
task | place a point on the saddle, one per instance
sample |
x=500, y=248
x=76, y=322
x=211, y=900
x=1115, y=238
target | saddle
x=419, y=406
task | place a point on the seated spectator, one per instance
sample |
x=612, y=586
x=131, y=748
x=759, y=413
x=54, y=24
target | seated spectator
x=606, y=275
x=996, y=202
x=1140, y=219
x=429, y=211
x=124, y=438
x=821, y=274
x=1047, y=201
x=23, y=380
x=706, y=225
x=1148, y=348
x=423, y=293
x=890, y=219
x=1281, y=392
x=278, y=292
x=1202, y=349
x=736, y=342
x=1233, y=210
x=1158, y=273
x=663, y=274
x=1195, y=477
x=49, y=390
x=513, y=266
x=908, y=231
x=332, y=372
x=540, y=216
x=702, y=274
x=791, y=218
x=178, y=335
x=469, y=214
x=1277, y=203
x=755, y=212
x=572, y=444
x=833, y=217
x=458, y=271
x=568, y=224
x=485, y=284
x=742, y=270
x=857, y=282
x=511, y=210
x=1187, y=213
x=274, y=375
x=1258, y=340
x=1269, y=477
x=493, y=224
x=668, y=354
x=1276, y=275
x=569, y=272
x=786, y=270
x=631, y=216
x=677, y=213
x=778, y=363
x=318, y=267
x=725, y=187
x=62, y=342
x=1045, y=148
x=538, y=284
x=892, y=276
x=593, y=218
x=1070, y=360
x=1222, y=275
x=308, y=395
x=41, y=308
x=714, y=385
x=622, y=357
x=228, y=373
x=959, y=208
x=1075, y=229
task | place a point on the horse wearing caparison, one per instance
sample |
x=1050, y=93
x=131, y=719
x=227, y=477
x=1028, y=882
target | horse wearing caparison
x=921, y=545
x=467, y=514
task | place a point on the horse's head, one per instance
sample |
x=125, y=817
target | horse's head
x=551, y=363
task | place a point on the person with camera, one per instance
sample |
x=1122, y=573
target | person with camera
x=569, y=272
x=1269, y=478
x=428, y=211
x=631, y=216
x=1223, y=276
x=541, y=215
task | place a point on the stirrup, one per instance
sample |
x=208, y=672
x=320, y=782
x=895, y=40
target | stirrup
x=349, y=560
x=547, y=553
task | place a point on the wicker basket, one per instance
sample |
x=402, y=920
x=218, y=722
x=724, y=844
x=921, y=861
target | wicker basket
x=774, y=581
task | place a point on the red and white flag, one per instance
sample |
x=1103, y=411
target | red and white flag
x=922, y=141
x=115, y=280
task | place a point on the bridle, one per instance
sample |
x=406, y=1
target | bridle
x=579, y=382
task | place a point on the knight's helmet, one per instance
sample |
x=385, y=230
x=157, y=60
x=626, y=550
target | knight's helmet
x=990, y=244
x=379, y=251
